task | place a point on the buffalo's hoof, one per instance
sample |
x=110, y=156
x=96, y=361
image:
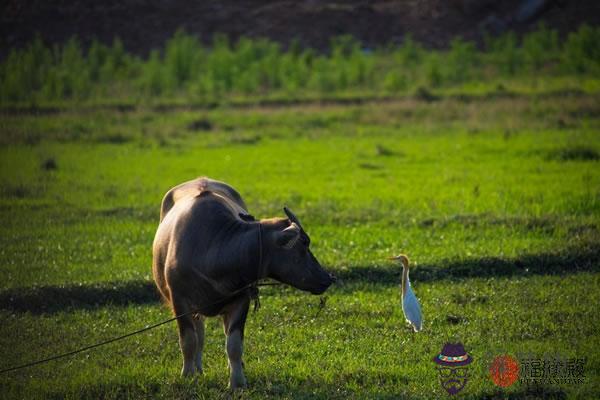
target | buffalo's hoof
x=238, y=383
x=188, y=371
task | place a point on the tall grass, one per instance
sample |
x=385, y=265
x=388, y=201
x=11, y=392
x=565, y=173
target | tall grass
x=186, y=68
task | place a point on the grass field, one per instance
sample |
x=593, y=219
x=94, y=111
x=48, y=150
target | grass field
x=496, y=198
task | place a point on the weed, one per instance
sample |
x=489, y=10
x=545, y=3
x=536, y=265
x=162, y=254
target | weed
x=259, y=67
x=49, y=164
x=575, y=153
x=200, y=125
x=422, y=93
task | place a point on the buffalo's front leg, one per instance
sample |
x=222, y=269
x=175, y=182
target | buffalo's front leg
x=234, y=319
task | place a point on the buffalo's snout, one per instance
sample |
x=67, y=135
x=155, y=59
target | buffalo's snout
x=320, y=289
x=324, y=284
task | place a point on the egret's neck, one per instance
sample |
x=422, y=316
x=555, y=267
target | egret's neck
x=404, y=280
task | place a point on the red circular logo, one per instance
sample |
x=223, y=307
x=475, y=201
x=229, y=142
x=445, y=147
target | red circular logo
x=504, y=370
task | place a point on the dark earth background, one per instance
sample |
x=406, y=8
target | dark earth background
x=143, y=25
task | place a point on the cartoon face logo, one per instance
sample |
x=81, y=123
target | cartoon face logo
x=452, y=367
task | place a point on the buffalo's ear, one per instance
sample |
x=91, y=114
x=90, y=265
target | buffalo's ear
x=288, y=237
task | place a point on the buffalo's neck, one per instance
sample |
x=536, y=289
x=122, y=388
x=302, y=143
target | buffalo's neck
x=238, y=257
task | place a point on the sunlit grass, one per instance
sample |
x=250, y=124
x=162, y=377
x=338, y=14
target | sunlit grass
x=496, y=200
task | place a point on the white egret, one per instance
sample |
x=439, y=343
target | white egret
x=410, y=303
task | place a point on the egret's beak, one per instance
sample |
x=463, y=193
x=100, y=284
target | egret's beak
x=402, y=258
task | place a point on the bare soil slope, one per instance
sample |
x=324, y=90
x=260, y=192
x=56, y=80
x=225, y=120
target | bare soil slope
x=144, y=24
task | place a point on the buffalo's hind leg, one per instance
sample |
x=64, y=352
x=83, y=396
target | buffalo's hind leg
x=234, y=320
x=199, y=326
x=188, y=340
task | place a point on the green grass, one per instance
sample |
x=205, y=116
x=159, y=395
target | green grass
x=497, y=200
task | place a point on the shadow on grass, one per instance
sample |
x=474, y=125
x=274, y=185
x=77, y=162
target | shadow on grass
x=566, y=262
x=371, y=385
x=356, y=384
x=200, y=388
x=50, y=299
x=524, y=393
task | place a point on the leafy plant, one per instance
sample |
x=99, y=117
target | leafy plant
x=260, y=67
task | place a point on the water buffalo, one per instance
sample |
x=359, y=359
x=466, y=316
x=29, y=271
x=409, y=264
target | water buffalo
x=207, y=253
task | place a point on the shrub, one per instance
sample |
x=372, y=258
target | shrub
x=540, y=47
x=581, y=51
x=460, y=60
x=433, y=74
x=504, y=53
x=259, y=66
x=24, y=71
x=154, y=77
x=182, y=54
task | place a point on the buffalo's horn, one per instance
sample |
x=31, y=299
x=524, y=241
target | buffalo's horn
x=292, y=217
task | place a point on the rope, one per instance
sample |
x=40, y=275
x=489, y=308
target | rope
x=254, y=286
x=147, y=328
x=253, y=295
x=31, y=364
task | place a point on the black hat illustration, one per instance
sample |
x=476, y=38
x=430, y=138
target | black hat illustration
x=453, y=355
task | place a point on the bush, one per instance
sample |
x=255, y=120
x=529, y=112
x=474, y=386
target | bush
x=581, y=52
x=433, y=74
x=154, y=78
x=504, y=53
x=182, y=55
x=460, y=61
x=410, y=54
x=540, y=47
x=259, y=66
x=24, y=72
x=395, y=81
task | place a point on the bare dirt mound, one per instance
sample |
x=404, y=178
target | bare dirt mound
x=144, y=24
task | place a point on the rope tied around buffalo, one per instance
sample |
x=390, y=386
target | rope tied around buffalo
x=253, y=289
